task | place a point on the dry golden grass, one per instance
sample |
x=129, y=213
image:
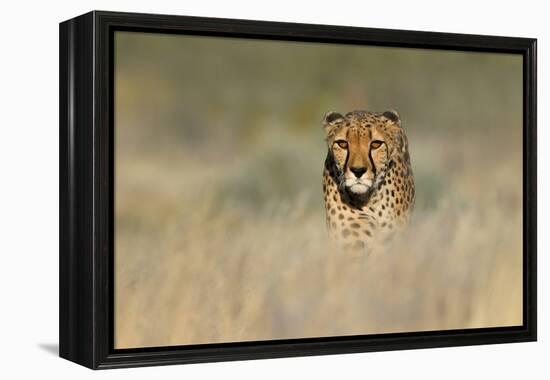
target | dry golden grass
x=196, y=267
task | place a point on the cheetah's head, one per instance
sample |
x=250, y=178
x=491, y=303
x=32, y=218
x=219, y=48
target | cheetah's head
x=362, y=145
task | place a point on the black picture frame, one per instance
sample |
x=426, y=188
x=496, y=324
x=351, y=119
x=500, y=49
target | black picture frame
x=86, y=189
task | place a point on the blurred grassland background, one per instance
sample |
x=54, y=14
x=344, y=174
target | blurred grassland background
x=220, y=226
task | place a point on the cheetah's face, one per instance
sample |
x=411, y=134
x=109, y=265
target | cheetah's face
x=360, y=150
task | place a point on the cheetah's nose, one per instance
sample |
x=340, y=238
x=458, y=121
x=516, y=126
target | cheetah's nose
x=358, y=171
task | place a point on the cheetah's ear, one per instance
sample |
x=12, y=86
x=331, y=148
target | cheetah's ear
x=331, y=120
x=393, y=115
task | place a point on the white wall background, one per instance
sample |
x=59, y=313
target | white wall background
x=29, y=187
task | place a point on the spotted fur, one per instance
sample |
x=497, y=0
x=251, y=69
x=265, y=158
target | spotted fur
x=368, y=182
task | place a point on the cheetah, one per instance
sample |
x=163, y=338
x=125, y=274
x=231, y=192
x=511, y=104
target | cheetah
x=368, y=183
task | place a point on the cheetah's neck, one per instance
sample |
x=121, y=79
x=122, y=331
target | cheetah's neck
x=358, y=222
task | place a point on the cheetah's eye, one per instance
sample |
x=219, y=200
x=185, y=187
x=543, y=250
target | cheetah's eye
x=342, y=144
x=376, y=144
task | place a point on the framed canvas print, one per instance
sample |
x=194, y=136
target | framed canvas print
x=237, y=189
